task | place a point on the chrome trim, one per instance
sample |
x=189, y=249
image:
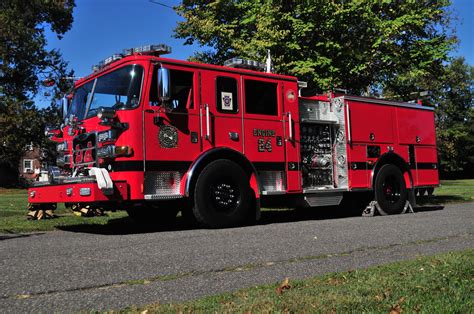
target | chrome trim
x=64, y=180
x=85, y=191
x=161, y=197
x=387, y=102
x=208, y=123
x=290, y=126
x=329, y=190
x=349, y=129
x=273, y=192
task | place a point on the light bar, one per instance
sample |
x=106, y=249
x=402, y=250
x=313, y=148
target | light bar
x=113, y=58
x=159, y=49
x=244, y=64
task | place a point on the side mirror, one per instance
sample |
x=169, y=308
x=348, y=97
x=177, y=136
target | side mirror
x=164, y=84
x=64, y=106
x=51, y=132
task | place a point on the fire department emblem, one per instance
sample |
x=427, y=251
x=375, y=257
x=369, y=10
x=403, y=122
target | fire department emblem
x=168, y=136
x=227, y=101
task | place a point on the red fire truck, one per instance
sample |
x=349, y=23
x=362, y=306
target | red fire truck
x=155, y=136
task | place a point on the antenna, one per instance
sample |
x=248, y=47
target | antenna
x=269, y=62
x=162, y=4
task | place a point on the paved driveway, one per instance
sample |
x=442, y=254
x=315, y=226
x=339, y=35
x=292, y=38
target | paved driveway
x=109, y=268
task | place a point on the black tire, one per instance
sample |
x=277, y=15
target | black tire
x=153, y=214
x=222, y=195
x=390, y=190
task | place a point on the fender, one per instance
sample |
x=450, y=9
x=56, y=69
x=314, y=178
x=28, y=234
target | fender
x=392, y=158
x=224, y=153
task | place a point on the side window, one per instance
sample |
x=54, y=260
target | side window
x=226, y=95
x=181, y=90
x=261, y=98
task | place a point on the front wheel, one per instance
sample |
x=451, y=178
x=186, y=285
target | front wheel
x=222, y=196
x=390, y=190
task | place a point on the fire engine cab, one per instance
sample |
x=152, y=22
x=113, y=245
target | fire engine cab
x=155, y=136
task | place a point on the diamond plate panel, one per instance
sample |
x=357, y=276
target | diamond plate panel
x=162, y=182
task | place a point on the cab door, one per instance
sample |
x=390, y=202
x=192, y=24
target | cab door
x=221, y=112
x=264, y=135
x=172, y=134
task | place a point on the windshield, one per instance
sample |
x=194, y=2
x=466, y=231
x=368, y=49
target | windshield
x=118, y=89
x=79, y=100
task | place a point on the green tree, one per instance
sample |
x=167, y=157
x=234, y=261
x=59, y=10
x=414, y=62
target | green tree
x=24, y=63
x=453, y=96
x=359, y=45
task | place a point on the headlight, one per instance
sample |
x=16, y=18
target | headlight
x=111, y=151
x=107, y=136
x=106, y=151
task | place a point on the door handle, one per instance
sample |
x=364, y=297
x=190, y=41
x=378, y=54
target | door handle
x=349, y=131
x=234, y=136
x=290, y=127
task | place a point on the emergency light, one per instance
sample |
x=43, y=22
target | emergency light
x=154, y=50
x=244, y=64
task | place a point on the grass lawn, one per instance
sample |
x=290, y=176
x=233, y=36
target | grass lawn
x=438, y=284
x=451, y=191
x=13, y=203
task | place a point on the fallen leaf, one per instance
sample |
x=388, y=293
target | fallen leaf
x=23, y=296
x=400, y=301
x=417, y=308
x=285, y=285
x=378, y=298
x=396, y=309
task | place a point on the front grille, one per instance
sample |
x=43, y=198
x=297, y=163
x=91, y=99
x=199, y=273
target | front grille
x=84, y=150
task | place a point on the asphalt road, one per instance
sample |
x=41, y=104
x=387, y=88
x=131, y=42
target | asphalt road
x=100, y=268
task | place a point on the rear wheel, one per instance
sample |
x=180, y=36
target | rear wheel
x=390, y=190
x=222, y=196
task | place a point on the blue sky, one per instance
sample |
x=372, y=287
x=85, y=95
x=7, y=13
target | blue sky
x=104, y=27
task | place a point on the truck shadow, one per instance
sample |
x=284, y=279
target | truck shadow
x=323, y=213
x=124, y=225
x=11, y=236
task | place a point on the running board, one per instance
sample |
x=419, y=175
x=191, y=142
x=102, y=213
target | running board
x=326, y=199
